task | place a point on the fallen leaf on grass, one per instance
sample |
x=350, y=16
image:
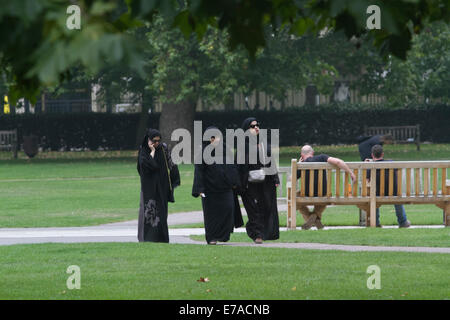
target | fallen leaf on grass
x=294, y=288
x=405, y=294
x=203, y=279
x=208, y=290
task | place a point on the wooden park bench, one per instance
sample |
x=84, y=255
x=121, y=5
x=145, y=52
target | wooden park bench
x=418, y=182
x=8, y=141
x=400, y=134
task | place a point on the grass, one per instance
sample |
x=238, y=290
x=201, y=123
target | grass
x=58, y=189
x=161, y=271
x=77, y=192
x=364, y=237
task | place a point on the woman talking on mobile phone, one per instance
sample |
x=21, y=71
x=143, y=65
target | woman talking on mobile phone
x=159, y=177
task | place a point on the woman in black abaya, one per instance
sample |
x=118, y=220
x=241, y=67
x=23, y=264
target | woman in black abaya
x=159, y=176
x=214, y=183
x=259, y=198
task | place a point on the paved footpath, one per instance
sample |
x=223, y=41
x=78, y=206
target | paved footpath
x=127, y=232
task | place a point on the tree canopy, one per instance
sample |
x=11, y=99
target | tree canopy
x=38, y=50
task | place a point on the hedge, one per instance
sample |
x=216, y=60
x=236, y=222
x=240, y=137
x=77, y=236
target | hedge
x=337, y=124
x=325, y=124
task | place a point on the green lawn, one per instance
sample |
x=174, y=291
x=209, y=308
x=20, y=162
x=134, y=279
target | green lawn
x=58, y=189
x=91, y=188
x=365, y=237
x=77, y=192
x=162, y=271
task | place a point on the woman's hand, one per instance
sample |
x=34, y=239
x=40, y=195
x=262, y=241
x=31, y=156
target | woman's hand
x=152, y=148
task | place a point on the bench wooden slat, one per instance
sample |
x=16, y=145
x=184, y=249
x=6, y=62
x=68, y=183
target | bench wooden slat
x=338, y=183
x=408, y=182
x=443, y=179
x=320, y=183
x=355, y=184
x=303, y=186
x=382, y=182
x=329, y=182
x=364, y=183
x=372, y=204
x=311, y=183
x=416, y=181
x=391, y=182
x=426, y=177
x=399, y=182
x=435, y=181
x=346, y=191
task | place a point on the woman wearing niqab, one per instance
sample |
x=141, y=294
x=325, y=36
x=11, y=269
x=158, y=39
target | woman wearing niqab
x=159, y=176
x=215, y=183
x=259, y=198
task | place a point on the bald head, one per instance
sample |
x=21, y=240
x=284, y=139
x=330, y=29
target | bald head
x=307, y=150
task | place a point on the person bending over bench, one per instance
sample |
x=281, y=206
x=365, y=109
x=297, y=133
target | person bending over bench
x=307, y=155
x=366, y=144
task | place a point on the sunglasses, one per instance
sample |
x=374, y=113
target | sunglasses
x=254, y=125
x=156, y=140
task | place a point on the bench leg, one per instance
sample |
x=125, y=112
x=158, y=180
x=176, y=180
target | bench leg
x=319, y=209
x=305, y=212
x=291, y=222
x=372, y=214
x=289, y=217
x=447, y=214
x=362, y=217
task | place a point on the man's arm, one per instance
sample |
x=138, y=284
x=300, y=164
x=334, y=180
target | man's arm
x=341, y=164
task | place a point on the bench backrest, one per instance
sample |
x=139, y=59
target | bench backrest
x=414, y=179
x=399, y=133
x=8, y=138
x=8, y=141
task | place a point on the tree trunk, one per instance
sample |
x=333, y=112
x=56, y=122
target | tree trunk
x=176, y=116
x=229, y=102
x=257, y=104
x=311, y=93
x=142, y=124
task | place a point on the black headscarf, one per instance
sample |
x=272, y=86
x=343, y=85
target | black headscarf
x=246, y=124
x=150, y=134
x=223, y=142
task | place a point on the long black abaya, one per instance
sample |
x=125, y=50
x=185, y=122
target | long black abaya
x=259, y=199
x=156, y=190
x=216, y=181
